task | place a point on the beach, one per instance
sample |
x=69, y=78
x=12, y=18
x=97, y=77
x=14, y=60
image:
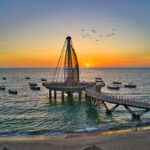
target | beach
x=118, y=140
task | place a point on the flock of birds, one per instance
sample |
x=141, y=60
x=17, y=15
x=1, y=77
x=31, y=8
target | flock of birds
x=93, y=34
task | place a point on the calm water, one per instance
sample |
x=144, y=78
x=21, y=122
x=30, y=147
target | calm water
x=30, y=113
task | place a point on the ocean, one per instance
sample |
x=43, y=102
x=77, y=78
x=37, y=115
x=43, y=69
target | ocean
x=31, y=113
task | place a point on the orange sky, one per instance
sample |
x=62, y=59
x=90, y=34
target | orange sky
x=33, y=35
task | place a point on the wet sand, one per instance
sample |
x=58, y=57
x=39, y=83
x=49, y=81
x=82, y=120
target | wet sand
x=117, y=140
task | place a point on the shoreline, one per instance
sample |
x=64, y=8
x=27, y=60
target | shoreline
x=78, y=134
x=129, y=139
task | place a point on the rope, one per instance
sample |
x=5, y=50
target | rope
x=57, y=67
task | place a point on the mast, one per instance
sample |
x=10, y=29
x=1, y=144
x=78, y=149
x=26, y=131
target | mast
x=69, y=59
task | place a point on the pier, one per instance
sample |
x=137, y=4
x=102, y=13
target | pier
x=70, y=76
x=70, y=83
x=96, y=95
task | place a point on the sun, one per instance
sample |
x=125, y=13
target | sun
x=87, y=65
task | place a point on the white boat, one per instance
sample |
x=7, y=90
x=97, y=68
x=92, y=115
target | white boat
x=43, y=79
x=2, y=87
x=32, y=84
x=113, y=87
x=12, y=91
x=27, y=77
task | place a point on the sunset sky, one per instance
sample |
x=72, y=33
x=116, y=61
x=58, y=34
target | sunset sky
x=105, y=33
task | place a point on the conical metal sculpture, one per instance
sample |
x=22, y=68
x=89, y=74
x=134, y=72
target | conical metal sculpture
x=71, y=67
x=66, y=76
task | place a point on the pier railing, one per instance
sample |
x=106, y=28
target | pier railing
x=116, y=99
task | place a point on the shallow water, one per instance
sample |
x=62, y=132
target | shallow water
x=30, y=113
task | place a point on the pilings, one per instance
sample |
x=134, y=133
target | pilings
x=134, y=115
x=62, y=95
x=69, y=93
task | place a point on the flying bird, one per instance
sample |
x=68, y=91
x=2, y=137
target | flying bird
x=100, y=35
x=113, y=29
x=110, y=35
x=93, y=31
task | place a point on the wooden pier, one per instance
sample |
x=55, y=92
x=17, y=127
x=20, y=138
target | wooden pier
x=93, y=93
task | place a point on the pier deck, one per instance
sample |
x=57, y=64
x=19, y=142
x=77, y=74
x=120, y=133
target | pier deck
x=117, y=100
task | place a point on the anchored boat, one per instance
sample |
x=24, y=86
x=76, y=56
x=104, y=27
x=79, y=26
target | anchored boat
x=113, y=87
x=117, y=82
x=27, y=77
x=130, y=85
x=99, y=81
x=4, y=78
x=34, y=86
x=12, y=91
x=2, y=87
x=43, y=79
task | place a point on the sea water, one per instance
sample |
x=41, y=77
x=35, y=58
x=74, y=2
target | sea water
x=31, y=113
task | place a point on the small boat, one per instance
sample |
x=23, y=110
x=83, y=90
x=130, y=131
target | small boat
x=4, y=78
x=43, y=79
x=116, y=82
x=113, y=87
x=27, y=77
x=12, y=91
x=99, y=81
x=130, y=85
x=2, y=87
x=32, y=84
x=35, y=87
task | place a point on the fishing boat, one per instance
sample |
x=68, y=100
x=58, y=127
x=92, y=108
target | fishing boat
x=99, y=81
x=12, y=91
x=113, y=87
x=130, y=85
x=32, y=84
x=117, y=82
x=43, y=79
x=4, y=78
x=2, y=87
x=27, y=77
x=35, y=88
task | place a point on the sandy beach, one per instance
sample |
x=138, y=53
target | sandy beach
x=117, y=140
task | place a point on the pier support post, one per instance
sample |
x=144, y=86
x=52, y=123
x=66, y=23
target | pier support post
x=55, y=94
x=136, y=116
x=85, y=95
x=109, y=111
x=79, y=96
x=70, y=95
x=50, y=94
x=62, y=95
